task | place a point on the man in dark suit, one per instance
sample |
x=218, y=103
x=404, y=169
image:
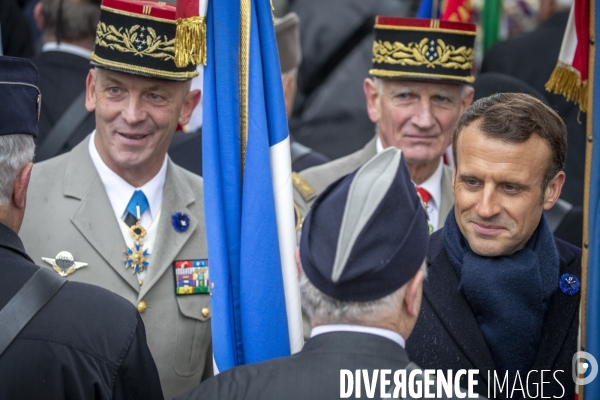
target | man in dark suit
x=361, y=267
x=503, y=293
x=565, y=219
x=531, y=58
x=63, y=65
x=84, y=342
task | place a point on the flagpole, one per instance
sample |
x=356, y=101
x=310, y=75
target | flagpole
x=586, y=186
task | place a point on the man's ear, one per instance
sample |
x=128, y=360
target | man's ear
x=453, y=176
x=467, y=98
x=552, y=192
x=191, y=101
x=414, y=291
x=90, y=91
x=373, y=100
x=19, y=195
x=289, y=93
x=298, y=263
x=38, y=17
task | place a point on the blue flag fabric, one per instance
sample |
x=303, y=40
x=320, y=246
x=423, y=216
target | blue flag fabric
x=592, y=324
x=426, y=9
x=249, y=321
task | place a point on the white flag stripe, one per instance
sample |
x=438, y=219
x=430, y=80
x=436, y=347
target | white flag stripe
x=284, y=208
x=569, y=43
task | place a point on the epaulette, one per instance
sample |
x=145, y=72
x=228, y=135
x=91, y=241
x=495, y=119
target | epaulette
x=303, y=187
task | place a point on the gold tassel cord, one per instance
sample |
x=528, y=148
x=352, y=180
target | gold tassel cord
x=245, y=9
x=566, y=81
x=190, y=41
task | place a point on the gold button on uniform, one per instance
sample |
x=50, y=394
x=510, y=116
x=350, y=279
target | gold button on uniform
x=141, y=307
x=205, y=311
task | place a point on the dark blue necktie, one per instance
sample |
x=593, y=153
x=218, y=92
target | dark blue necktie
x=138, y=199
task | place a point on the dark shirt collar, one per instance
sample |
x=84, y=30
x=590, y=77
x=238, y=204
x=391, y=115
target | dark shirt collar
x=10, y=240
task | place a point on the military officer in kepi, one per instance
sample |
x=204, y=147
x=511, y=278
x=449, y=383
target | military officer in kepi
x=115, y=211
x=58, y=339
x=419, y=87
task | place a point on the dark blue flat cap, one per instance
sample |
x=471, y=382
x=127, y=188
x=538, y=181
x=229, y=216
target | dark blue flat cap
x=20, y=98
x=366, y=234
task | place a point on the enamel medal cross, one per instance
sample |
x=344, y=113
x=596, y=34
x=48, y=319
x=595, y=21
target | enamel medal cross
x=136, y=255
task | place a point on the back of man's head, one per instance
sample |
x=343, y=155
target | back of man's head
x=18, y=126
x=363, y=244
x=68, y=20
x=287, y=33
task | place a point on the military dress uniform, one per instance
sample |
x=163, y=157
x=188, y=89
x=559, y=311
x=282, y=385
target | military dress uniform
x=405, y=49
x=158, y=261
x=58, y=339
x=308, y=184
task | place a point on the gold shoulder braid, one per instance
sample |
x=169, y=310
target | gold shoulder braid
x=303, y=187
x=427, y=52
x=298, y=217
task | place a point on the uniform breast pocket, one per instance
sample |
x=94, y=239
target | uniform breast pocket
x=193, y=334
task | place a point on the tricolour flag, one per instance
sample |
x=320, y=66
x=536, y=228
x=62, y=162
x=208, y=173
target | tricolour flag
x=457, y=10
x=591, y=281
x=447, y=10
x=570, y=77
x=490, y=21
x=247, y=189
x=429, y=9
x=573, y=77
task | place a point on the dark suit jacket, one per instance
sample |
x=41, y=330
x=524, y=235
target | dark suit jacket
x=313, y=373
x=186, y=151
x=447, y=335
x=531, y=57
x=62, y=79
x=85, y=343
x=14, y=31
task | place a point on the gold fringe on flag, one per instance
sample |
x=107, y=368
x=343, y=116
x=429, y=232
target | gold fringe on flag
x=190, y=41
x=565, y=80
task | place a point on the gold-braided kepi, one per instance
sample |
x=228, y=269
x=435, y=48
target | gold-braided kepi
x=423, y=49
x=138, y=37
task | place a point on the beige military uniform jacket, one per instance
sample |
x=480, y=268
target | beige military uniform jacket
x=313, y=181
x=68, y=210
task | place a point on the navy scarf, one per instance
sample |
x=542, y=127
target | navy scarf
x=509, y=294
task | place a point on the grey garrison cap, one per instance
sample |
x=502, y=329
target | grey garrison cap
x=366, y=234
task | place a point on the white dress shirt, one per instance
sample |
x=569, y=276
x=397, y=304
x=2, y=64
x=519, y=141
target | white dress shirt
x=119, y=193
x=67, y=48
x=386, y=333
x=433, y=185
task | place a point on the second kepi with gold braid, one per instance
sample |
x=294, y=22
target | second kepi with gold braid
x=423, y=49
x=139, y=38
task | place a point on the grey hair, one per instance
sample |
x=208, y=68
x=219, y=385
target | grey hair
x=15, y=152
x=327, y=310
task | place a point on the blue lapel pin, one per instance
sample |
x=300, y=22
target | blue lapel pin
x=180, y=222
x=569, y=284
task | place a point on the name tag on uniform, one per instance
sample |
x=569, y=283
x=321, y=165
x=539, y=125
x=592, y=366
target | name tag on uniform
x=191, y=277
